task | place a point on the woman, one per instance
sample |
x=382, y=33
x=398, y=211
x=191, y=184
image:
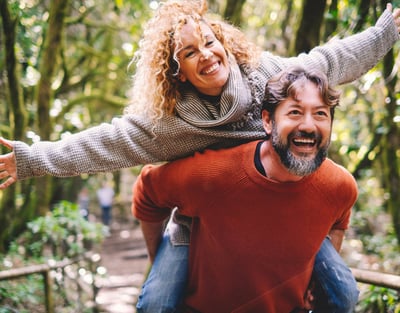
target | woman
x=188, y=94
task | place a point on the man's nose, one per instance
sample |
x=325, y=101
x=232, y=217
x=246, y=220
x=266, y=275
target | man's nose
x=307, y=123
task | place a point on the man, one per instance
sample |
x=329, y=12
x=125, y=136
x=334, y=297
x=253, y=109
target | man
x=261, y=210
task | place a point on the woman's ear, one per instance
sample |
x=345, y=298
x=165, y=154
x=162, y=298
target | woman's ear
x=182, y=77
x=267, y=122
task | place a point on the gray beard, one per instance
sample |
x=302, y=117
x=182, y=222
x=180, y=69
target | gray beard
x=296, y=165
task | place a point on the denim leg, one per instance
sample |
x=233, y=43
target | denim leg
x=164, y=288
x=336, y=279
x=106, y=215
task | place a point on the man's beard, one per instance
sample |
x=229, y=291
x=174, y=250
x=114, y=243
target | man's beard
x=296, y=164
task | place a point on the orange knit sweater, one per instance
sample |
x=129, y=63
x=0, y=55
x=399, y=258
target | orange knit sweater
x=253, y=241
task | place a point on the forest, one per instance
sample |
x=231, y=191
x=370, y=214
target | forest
x=66, y=65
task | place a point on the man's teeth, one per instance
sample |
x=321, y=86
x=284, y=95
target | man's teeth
x=304, y=141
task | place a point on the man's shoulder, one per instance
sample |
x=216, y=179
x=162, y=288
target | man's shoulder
x=336, y=174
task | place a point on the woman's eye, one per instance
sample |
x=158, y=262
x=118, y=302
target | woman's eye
x=294, y=112
x=189, y=54
x=209, y=43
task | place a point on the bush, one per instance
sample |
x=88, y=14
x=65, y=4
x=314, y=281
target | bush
x=379, y=300
x=62, y=233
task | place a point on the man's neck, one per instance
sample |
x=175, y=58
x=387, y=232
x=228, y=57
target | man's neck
x=273, y=166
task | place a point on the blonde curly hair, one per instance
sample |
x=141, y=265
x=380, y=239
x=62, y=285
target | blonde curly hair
x=156, y=85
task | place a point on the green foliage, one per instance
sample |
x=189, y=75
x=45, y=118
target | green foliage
x=379, y=300
x=61, y=233
x=28, y=292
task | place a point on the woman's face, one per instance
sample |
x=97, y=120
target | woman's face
x=203, y=60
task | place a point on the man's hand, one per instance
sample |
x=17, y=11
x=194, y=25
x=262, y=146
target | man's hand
x=309, y=296
x=152, y=233
x=8, y=166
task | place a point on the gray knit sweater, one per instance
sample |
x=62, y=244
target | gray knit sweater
x=130, y=140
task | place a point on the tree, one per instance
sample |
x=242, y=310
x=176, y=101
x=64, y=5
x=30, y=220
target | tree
x=308, y=33
x=16, y=110
x=233, y=11
x=49, y=63
x=71, y=65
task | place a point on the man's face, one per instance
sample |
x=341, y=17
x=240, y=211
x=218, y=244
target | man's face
x=300, y=131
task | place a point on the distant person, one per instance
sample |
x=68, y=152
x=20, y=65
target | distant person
x=83, y=203
x=105, y=195
x=261, y=211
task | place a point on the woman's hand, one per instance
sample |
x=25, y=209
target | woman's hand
x=396, y=15
x=8, y=166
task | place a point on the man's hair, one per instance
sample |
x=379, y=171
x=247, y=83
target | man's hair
x=288, y=82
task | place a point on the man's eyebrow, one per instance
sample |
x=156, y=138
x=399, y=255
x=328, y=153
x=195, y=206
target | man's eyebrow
x=296, y=103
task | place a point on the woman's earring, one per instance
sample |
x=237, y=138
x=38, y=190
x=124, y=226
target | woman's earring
x=181, y=77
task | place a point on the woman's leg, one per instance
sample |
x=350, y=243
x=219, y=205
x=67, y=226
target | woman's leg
x=336, y=280
x=163, y=291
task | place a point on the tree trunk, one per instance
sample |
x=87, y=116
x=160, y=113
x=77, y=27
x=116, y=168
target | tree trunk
x=285, y=24
x=363, y=10
x=49, y=62
x=233, y=11
x=308, y=33
x=17, y=118
x=332, y=20
x=392, y=144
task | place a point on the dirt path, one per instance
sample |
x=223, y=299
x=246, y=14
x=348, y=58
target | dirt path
x=125, y=259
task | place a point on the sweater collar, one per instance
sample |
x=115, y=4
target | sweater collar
x=236, y=100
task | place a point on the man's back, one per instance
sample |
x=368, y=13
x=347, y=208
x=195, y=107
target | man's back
x=253, y=240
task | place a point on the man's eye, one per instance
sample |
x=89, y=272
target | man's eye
x=322, y=113
x=295, y=112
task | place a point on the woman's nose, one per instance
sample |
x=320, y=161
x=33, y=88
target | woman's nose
x=206, y=54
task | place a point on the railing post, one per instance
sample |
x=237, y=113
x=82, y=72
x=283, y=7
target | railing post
x=48, y=292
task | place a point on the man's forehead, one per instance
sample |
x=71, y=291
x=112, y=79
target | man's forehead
x=306, y=94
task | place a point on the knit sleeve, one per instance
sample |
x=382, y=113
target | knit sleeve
x=343, y=60
x=124, y=142
x=127, y=141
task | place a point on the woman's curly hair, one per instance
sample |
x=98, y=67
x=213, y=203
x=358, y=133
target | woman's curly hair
x=155, y=87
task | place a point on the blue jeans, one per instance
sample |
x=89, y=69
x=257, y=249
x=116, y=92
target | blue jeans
x=164, y=289
x=106, y=214
x=336, y=280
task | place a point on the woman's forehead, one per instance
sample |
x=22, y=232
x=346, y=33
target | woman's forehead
x=192, y=30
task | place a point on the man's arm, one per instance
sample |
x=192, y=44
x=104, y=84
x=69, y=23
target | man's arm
x=337, y=236
x=152, y=233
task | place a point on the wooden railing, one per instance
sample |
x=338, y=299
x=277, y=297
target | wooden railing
x=377, y=278
x=45, y=271
x=363, y=276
